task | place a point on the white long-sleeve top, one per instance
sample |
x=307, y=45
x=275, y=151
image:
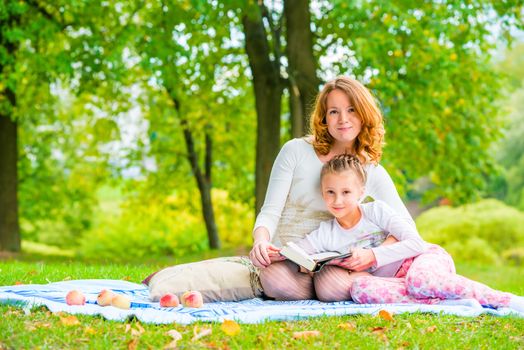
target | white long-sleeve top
x=377, y=222
x=293, y=206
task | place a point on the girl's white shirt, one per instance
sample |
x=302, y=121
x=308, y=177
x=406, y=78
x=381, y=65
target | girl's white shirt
x=378, y=221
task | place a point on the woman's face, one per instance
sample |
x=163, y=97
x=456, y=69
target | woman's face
x=342, y=121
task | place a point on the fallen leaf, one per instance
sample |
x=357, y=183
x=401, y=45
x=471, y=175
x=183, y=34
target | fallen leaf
x=386, y=315
x=15, y=312
x=132, y=344
x=89, y=330
x=28, y=325
x=230, y=327
x=140, y=328
x=380, y=333
x=200, y=332
x=42, y=325
x=82, y=340
x=126, y=278
x=17, y=283
x=176, y=337
x=174, y=334
x=69, y=320
x=348, y=326
x=431, y=329
x=306, y=334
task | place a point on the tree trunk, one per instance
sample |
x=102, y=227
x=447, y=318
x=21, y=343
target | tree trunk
x=9, y=229
x=302, y=64
x=203, y=179
x=268, y=97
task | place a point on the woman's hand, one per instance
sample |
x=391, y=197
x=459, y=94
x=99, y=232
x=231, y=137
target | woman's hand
x=360, y=260
x=263, y=252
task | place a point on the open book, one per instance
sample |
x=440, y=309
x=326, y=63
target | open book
x=311, y=262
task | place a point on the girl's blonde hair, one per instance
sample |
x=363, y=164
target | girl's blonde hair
x=345, y=162
x=370, y=140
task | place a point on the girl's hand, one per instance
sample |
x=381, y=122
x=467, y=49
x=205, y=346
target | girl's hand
x=360, y=260
x=264, y=253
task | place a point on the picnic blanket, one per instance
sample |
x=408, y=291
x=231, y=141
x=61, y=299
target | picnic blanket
x=52, y=295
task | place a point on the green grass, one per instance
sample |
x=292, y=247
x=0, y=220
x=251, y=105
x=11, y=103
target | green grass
x=42, y=329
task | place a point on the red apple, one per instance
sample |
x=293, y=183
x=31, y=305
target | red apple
x=169, y=300
x=192, y=298
x=105, y=297
x=75, y=297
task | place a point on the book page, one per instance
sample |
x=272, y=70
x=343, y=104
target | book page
x=300, y=251
x=324, y=255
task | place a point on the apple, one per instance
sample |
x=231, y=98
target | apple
x=192, y=298
x=105, y=297
x=75, y=297
x=121, y=301
x=169, y=300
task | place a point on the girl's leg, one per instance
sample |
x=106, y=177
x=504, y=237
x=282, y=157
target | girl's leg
x=432, y=275
x=333, y=283
x=282, y=281
x=382, y=290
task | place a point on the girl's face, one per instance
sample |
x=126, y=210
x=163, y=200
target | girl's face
x=342, y=121
x=341, y=193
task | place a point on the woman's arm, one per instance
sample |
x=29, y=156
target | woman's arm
x=380, y=186
x=278, y=189
x=263, y=252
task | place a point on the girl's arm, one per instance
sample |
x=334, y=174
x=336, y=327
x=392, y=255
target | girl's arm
x=409, y=243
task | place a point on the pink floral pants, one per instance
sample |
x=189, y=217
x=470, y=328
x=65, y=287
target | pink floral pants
x=427, y=278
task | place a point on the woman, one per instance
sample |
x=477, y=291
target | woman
x=346, y=119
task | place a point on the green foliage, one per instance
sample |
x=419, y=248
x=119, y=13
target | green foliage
x=480, y=232
x=153, y=226
x=514, y=257
x=78, y=67
x=509, y=151
x=429, y=65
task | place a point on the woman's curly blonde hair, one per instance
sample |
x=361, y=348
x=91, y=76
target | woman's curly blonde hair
x=370, y=140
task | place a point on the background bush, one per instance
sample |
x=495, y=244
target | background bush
x=488, y=231
x=167, y=226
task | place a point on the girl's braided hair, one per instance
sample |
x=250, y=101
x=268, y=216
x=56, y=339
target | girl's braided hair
x=344, y=162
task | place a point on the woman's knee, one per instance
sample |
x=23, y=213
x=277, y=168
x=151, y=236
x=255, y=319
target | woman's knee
x=283, y=281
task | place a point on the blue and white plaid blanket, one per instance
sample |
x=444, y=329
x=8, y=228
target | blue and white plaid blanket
x=248, y=311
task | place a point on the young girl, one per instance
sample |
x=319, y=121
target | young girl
x=418, y=272
x=359, y=228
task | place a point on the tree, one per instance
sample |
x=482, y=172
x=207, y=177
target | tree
x=303, y=82
x=188, y=52
x=15, y=18
x=40, y=44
